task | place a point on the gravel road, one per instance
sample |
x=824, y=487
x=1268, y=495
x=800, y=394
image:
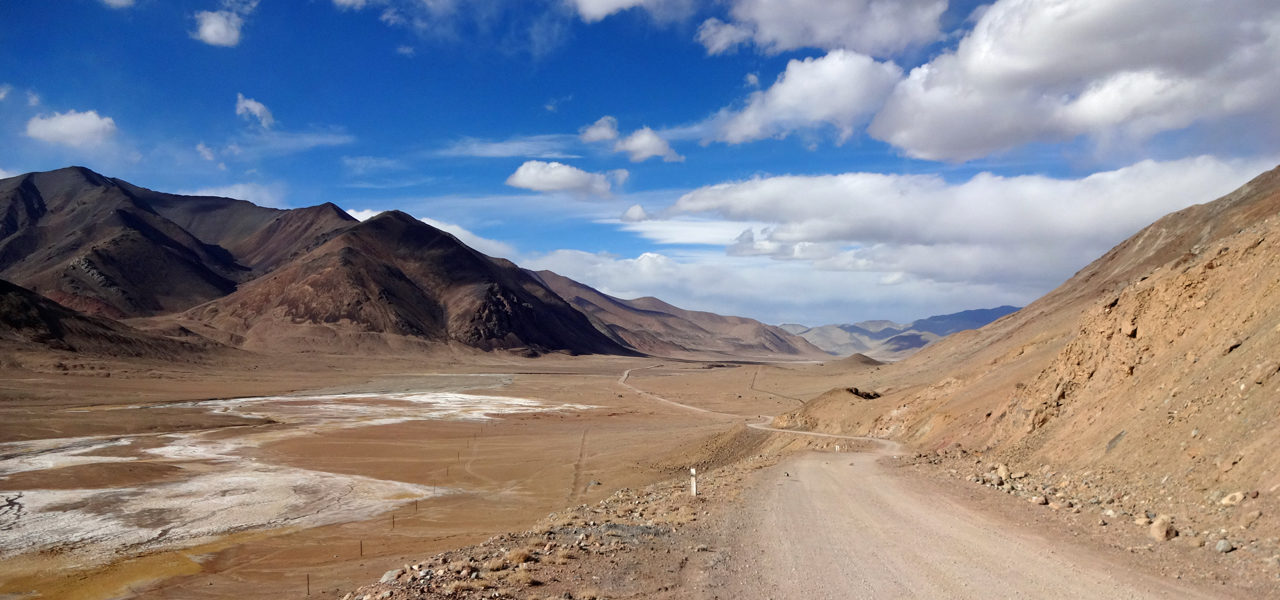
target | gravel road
x=842, y=526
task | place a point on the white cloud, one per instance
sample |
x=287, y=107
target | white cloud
x=205, y=151
x=258, y=144
x=603, y=130
x=118, y=3
x=350, y=4
x=405, y=50
x=751, y=80
x=1023, y=231
x=4, y=174
x=542, y=176
x=635, y=213
x=842, y=89
x=271, y=195
x=555, y=146
x=222, y=27
x=364, y=165
x=4, y=91
x=644, y=144
x=719, y=37
x=72, y=128
x=250, y=108
x=33, y=99
x=874, y=27
x=1113, y=71
x=594, y=10
x=466, y=236
x=684, y=231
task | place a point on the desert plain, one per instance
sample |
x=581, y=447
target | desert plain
x=253, y=475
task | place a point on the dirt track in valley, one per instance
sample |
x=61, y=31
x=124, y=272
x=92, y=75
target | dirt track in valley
x=842, y=526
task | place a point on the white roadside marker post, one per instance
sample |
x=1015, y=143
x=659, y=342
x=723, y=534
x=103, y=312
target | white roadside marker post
x=693, y=482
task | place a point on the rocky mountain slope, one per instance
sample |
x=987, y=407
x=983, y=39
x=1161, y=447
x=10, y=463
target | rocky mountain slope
x=655, y=327
x=1147, y=380
x=889, y=341
x=310, y=279
x=399, y=277
x=33, y=321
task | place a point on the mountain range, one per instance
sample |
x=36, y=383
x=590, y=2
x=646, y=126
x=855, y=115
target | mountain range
x=314, y=280
x=889, y=341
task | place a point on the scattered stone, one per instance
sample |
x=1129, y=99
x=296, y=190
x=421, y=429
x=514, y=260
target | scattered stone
x=1055, y=505
x=391, y=576
x=1102, y=522
x=1162, y=529
x=1019, y=475
x=1141, y=521
x=1223, y=546
x=1002, y=471
x=1041, y=500
x=1232, y=499
x=1250, y=518
x=384, y=595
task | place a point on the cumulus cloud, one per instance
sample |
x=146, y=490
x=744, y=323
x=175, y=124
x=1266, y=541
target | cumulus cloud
x=874, y=27
x=250, y=108
x=1051, y=71
x=542, y=176
x=635, y=213
x=118, y=3
x=222, y=27
x=603, y=130
x=72, y=128
x=272, y=195
x=1026, y=230
x=841, y=89
x=644, y=144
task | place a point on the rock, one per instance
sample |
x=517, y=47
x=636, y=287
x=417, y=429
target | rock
x=1041, y=500
x=1019, y=475
x=1141, y=521
x=1102, y=522
x=1232, y=499
x=1162, y=529
x=1002, y=471
x=1250, y=518
x=384, y=595
x=391, y=576
x=1057, y=505
x=1223, y=546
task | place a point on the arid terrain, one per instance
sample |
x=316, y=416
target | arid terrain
x=327, y=422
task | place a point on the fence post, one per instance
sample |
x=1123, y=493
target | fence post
x=693, y=482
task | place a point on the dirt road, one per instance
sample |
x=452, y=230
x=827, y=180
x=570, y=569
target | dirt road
x=841, y=526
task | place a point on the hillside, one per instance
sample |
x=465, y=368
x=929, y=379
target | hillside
x=31, y=321
x=299, y=280
x=1149, y=377
x=655, y=327
x=889, y=341
x=396, y=281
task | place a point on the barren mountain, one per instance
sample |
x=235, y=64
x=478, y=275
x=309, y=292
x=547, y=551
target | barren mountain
x=655, y=327
x=32, y=321
x=886, y=340
x=394, y=281
x=296, y=280
x=1147, y=379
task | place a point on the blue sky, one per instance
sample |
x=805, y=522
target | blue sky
x=790, y=160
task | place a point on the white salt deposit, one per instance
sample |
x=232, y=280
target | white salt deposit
x=225, y=492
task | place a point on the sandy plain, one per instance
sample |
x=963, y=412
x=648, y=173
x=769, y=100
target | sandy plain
x=262, y=476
